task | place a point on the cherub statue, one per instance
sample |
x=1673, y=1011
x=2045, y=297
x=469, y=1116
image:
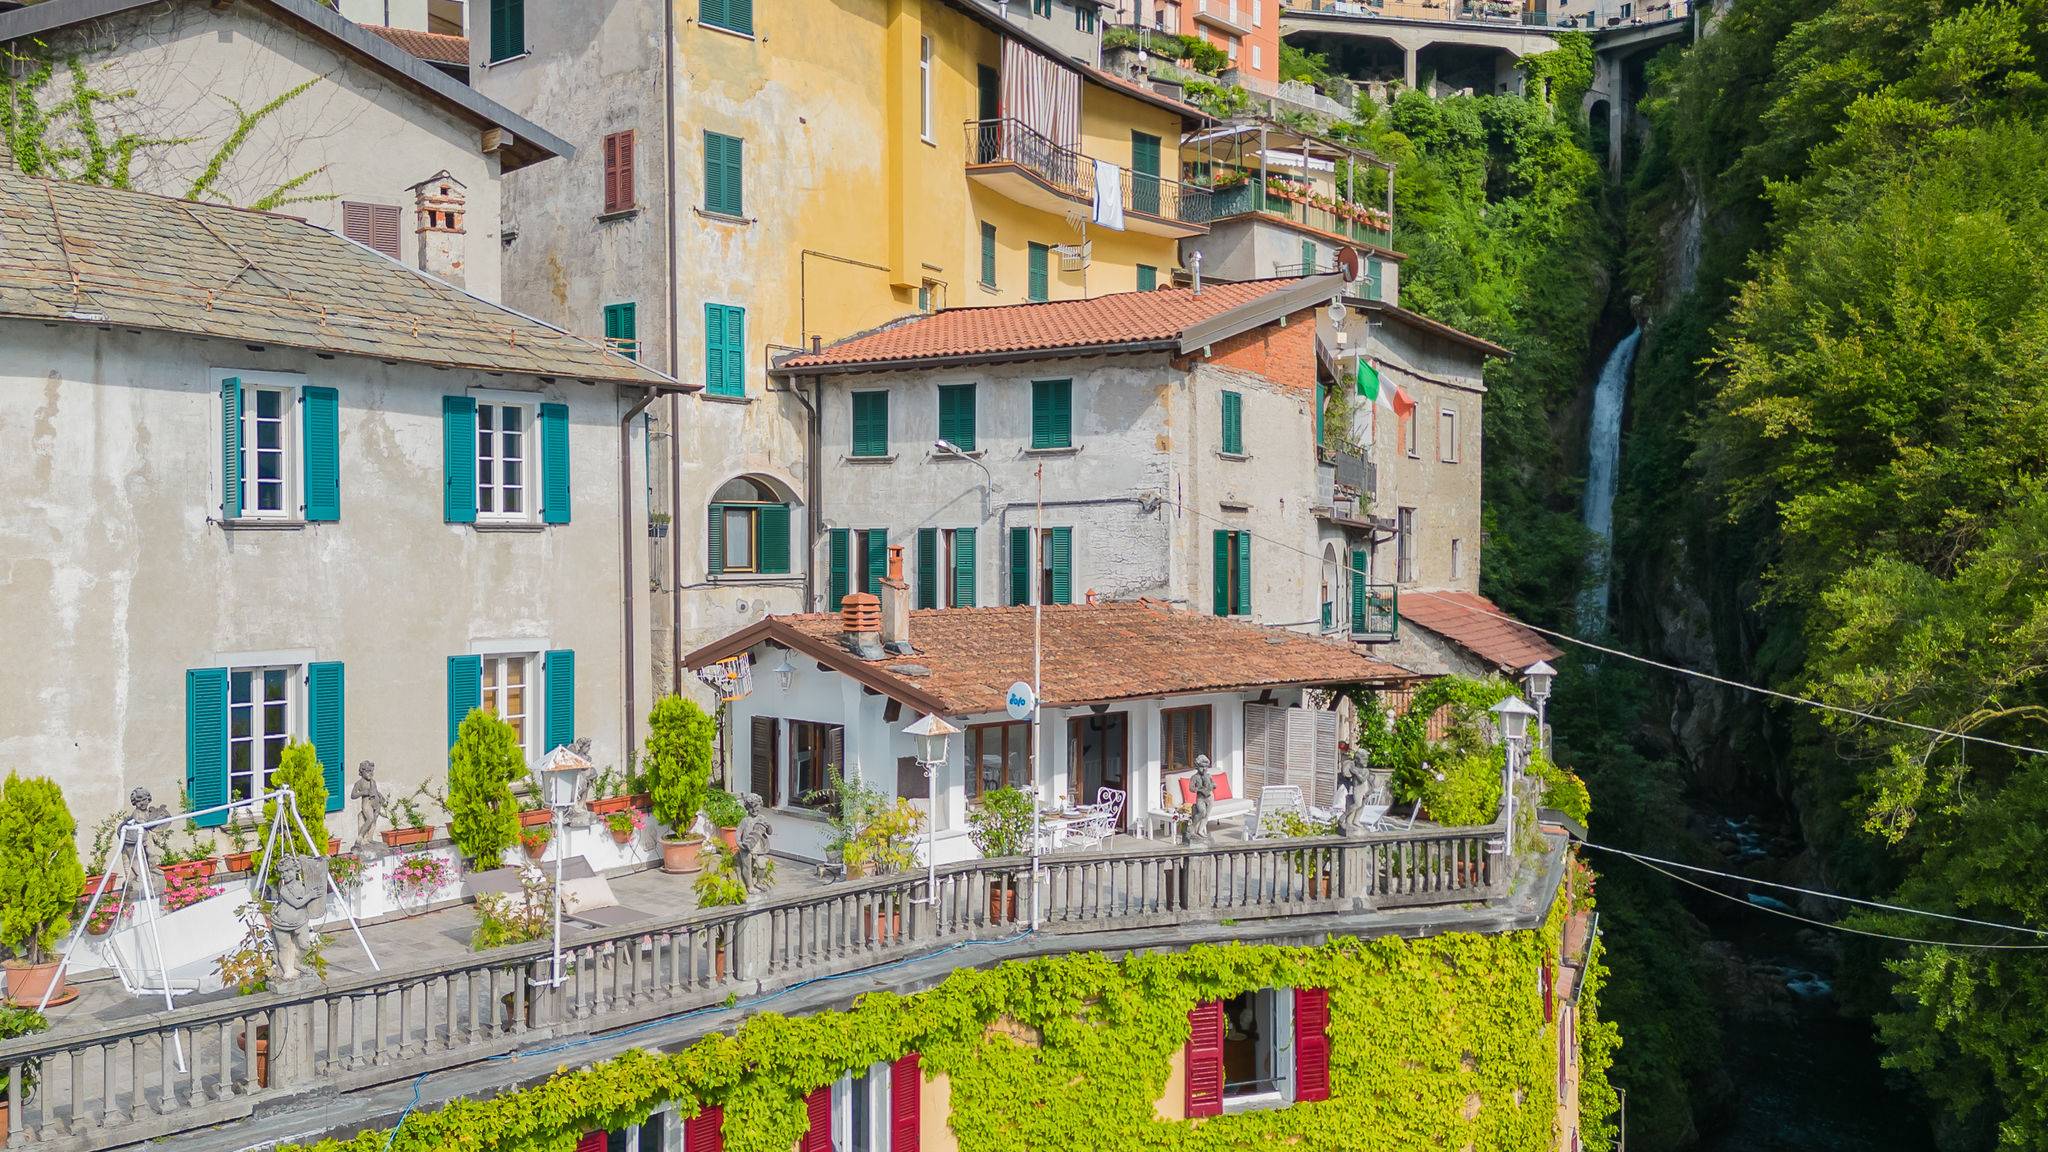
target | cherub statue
x=295, y=898
x=372, y=802
x=153, y=841
x=1203, y=785
x=752, y=852
x=1352, y=779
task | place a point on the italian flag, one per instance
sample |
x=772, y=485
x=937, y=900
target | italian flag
x=1393, y=399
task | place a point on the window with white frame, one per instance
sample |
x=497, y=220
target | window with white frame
x=1447, y=435
x=268, y=446
x=507, y=694
x=1404, y=545
x=1457, y=559
x=924, y=88
x=261, y=722
x=1258, y=1045
x=504, y=476
x=861, y=1112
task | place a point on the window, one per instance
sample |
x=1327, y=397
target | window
x=1183, y=735
x=1457, y=559
x=815, y=751
x=501, y=474
x=1308, y=257
x=1332, y=575
x=1404, y=545
x=275, y=466
x=1230, y=48
x=988, y=254
x=731, y=15
x=1041, y=7
x=1258, y=8
x=956, y=415
x=931, y=296
x=259, y=727
x=945, y=567
x=508, y=29
x=266, y=443
x=1233, y=576
x=871, y=1109
x=1020, y=566
x=749, y=529
x=618, y=172
x=851, y=551
x=621, y=330
x=998, y=756
x=1148, y=277
x=1084, y=17
x=1056, y=566
x=1233, y=423
x=505, y=695
x=648, y=1135
x=871, y=558
x=1040, y=284
x=1145, y=173
x=722, y=175
x=487, y=459
x=238, y=722
x=725, y=350
x=1375, y=279
x=924, y=88
x=870, y=423
x=1052, y=413
x=1447, y=435
x=372, y=225
x=1407, y=433
x=1258, y=61
x=1262, y=1049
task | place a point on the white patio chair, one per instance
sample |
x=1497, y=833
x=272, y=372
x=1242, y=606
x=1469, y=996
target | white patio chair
x=1273, y=800
x=1113, y=799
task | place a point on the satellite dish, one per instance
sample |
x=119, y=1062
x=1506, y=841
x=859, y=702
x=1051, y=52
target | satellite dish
x=1349, y=260
x=1021, y=701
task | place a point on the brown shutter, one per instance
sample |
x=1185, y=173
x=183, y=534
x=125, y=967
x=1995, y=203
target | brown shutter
x=906, y=1082
x=764, y=742
x=384, y=236
x=1205, y=1059
x=625, y=178
x=611, y=173
x=1311, y=1044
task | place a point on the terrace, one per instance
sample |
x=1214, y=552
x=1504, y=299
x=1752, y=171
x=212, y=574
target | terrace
x=1023, y=164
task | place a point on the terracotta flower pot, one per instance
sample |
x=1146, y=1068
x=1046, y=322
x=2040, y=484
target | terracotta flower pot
x=644, y=801
x=1002, y=902
x=400, y=837
x=262, y=1053
x=535, y=849
x=624, y=837
x=609, y=805
x=680, y=856
x=536, y=816
x=334, y=845
x=190, y=872
x=887, y=926
x=731, y=836
x=92, y=885
x=241, y=861
x=27, y=983
x=3, y=1123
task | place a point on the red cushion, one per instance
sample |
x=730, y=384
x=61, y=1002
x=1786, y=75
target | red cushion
x=1187, y=790
x=1222, y=788
x=1187, y=794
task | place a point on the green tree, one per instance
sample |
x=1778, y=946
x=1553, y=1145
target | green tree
x=485, y=762
x=678, y=761
x=299, y=769
x=40, y=877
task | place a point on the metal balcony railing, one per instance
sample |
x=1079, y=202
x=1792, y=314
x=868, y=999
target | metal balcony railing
x=1072, y=174
x=1381, y=619
x=1240, y=199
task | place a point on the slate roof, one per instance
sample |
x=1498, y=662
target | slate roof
x=1476, y=623
x=967, y=658
x=73, y=252
x=432, y=47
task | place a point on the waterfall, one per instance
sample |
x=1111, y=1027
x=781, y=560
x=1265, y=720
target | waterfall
x=1603, y=451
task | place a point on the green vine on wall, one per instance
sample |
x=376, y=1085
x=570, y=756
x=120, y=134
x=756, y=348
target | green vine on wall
x=245, y=123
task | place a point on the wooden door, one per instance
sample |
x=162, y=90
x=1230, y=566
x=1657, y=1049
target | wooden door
x=1098, y=757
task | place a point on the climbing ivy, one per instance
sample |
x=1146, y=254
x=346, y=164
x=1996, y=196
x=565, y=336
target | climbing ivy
x=1435, y=1043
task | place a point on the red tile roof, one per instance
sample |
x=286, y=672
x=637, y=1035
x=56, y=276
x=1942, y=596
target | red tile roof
x=432, y=47
x=1476, y=623
x=967, y=658
x=1119, y=318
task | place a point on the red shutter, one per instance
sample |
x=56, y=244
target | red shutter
x=593, y=1141
x=1205, y=1059
x=611, y=174
x=819, y=1137
x=705, y=1132
x=1548, y=980
x=906, y=1081
x=625, y=171
x=1311, y=1044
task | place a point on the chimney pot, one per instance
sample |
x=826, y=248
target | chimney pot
x=860, y=614
x=895, y=605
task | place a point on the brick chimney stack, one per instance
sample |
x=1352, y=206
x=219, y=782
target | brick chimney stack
x=860, y=622
x=440, y=206
x=896, y=605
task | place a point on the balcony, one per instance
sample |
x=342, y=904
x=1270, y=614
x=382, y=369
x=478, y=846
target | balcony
x=1353, y=223
x=1011, y=158
x=1231, y=17
x=1381, y=620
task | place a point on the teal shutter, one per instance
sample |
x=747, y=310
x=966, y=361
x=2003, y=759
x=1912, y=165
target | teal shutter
x=878, y=561
x=741, y=13
x=870, y=423
x=1308, y=257
x=1148, y=277
x=206, y=741
x=1358, y=592
x=327, y=728
x=1221, y=583
x=1244, y=573
x=711, y=12
x=988, y=248
x=714, y=349
x=1052, y=413
x=323, y=453
x=231, y=449
x=714, y=539
x=622, y=329
x=1020, y=566
x=554, y=463
x=956, y=415
x=465, y=691
x=508, y=29
x=1233, y=423
x=559, y=668
x=1040, y=284
x=839, y=564
x=1322, y=400
x=1145, y=173
x=458, y=459
x=1062, y=564
x=927, y=567
x=722, y=188
x=771, y=536
x=963, y=568
x=735, y=351
x=1375, y=282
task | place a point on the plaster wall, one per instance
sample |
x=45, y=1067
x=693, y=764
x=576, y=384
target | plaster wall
x=408, y=14
x=116, y=575
x=1060, y=27
x=1438, y=375
x=353, y=136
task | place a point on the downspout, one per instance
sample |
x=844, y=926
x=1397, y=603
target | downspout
x=626, y=555
x=675, y=358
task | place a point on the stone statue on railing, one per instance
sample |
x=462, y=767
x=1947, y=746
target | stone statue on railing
x=751, y=839
x=371, y=802
x=1203, y=785
x=134, y=865
x=1352, y=779
x=295, y=898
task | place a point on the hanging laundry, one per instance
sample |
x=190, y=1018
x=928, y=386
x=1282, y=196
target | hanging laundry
x=1109, y=195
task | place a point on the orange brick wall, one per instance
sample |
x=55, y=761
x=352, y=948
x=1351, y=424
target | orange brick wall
x=1286, y=356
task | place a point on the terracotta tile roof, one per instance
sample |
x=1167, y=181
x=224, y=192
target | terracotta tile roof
x=73, y=252
x=967, y=658
x=1119, y=318
x=432, y=47
x=1474, y=622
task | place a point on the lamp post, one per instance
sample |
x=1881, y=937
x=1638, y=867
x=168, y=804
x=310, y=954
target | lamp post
x=785, y=672
x=1536, y=678
x=559, y=775
x=1512, y=716
x=932, y=735
x=946, y=447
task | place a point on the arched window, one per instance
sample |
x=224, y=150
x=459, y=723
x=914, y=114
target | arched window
x=749, y=529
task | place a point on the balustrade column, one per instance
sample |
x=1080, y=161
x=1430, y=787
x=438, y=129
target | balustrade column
x=291, y=1045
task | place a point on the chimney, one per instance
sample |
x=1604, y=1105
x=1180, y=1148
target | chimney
x=860, y=615
x=896, y=606
x=1195, y=266
x=439, y=206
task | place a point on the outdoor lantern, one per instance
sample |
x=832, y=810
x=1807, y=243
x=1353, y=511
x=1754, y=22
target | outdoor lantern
x=559, y=774
x=932, y=734
x=1537, y=677
x=1513, y=717
x=785, y=672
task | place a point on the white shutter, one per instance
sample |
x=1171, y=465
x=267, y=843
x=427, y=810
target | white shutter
x=1301, y=751
x=1265, y=748
x=1325, y=794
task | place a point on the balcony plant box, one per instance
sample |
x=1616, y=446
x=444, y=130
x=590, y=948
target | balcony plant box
x=190, y=872
x=92, y=885
x=241, y=861
x=334, y=845
x=533, y=816
x=406, y=837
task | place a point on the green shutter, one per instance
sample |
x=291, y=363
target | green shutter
x=988, y=250
x=508, y=29
x=1148, y=278
x=458, y=459
x=878, y=561
x=1375, y=282
x=1322, y=399
x=1145, y=173
x=323, y=453
x=1062, y=565
x=870, y=423
x=622, y=327
x=1020, y=566
x=327, y=728
x=231, y=449
x=963, y=568
x=1233, y=423
x=711, y=12
x=559, y=669
x=771, y=535
x=1358, y=592
x=722, y=187
x=465, y=691
x=1244, y=573
x=714, y=539
x=714, y=349
x=735, y=383
x=927, y=567
x=1221, y=599
x=732, y=15
x=1308, y=257
x=1040, y=272
x=206, y=741
x=554, y=463
x=839, y=566
x=1052, y=414
x=956, y=415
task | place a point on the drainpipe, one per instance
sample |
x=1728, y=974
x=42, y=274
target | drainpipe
x=813, y=482
x=626, y=554
x=675, y=363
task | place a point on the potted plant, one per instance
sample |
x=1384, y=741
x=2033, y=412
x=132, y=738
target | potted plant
x=418, y=876
x=105, y=916
x=346, y=870
x=724, y=812
x=1000, y=826
x=535, y=840
x=243, y=858
x=15, y=1023
x=625, y=824
x=299, y=770
x=186, y=893
x=718, y=884
x=678, y=767
x=886, y=841
x=504, y=918
x=40, y=881
x=533, y=813
x=409, y=822
x=485, y=762
x=848, y=806
x=193, y=864
x=607, y=793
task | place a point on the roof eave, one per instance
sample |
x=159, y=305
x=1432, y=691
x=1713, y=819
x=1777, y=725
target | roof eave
x=1188, y=112
x=1012, y=356
x=1306, y=293
x=772, y=630
x=1421, y=323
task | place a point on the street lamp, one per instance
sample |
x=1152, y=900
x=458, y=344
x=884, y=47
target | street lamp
x=1512, y=717
x=560, y=775
x=1536, y=678
x=932, y=735
x=785, y=672
x=945, y=447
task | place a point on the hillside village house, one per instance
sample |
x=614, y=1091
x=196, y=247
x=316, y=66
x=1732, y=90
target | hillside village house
x=381, y=146
x=270, y=485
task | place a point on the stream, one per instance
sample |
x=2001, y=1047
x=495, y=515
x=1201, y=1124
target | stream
x=1603, y=454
